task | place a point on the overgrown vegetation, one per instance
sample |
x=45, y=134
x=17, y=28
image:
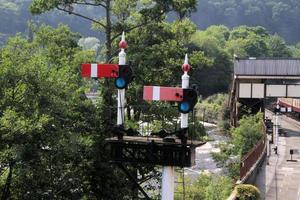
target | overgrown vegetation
x=214, y=109
x=209, y=186
x=49, y=132
x=206, y=187
x=247, y=134
x=197, y=131
x=243, y=138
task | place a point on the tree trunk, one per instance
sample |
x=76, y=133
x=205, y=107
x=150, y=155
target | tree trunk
x=6, y=188
x=136, y=114
x=128, y=113
x=108, y=31
x=108, y=88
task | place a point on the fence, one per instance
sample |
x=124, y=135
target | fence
x=250, y=159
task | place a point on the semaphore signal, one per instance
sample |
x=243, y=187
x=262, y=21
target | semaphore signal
x=95, y=70
x=169, y=150
x=187, y=98
x=157, y=93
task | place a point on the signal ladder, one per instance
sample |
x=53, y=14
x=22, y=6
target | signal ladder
x=180, y=181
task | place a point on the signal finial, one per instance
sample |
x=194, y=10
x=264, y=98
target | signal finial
x=123, y=43
x=186, y=67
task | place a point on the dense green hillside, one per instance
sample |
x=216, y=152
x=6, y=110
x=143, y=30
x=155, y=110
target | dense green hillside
x=14, y=16
x=278, y=16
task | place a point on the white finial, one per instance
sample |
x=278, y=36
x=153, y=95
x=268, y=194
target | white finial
x=123, y=36
x=186, y=60
x=123, y=44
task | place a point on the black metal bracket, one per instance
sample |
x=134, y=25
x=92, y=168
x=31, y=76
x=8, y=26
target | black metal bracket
x=133, y=180
x=182, y=134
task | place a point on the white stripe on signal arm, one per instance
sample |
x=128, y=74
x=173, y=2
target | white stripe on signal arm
x=156, y=93
x=94, y=70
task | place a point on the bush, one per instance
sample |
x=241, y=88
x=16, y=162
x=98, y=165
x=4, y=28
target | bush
x=197, y=131
x=220, y=158
x=206, y=187
x=234, y=170
x=247, y=134
x=225, y=158
x=247, y=192
x=212, y=108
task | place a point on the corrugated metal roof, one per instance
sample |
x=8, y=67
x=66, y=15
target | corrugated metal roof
x=274, y=67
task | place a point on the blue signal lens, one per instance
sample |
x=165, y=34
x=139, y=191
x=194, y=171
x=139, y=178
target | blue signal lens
x=120, y=83
x=184, y=107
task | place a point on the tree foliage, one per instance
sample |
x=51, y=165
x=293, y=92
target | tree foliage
x=248, y=133
x=118, y=16
x=158, y=51
x=51, y=139
x=278, y=16
x=219, y=44
x=243, y=139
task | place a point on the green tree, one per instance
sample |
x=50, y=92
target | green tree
x=248, y=42
x=117, y=16
x=247, y=134
x=215, y=76
x=278, y=47
x=278, y=16
x=51, y=140
x=158, y=51
x=295, y=50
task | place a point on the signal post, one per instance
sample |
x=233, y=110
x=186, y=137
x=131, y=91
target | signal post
x=121, y=72
x=169, y=171
x=121, y=92
x=168, y=151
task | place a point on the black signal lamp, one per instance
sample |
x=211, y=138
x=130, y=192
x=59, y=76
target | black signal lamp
x=189, y=100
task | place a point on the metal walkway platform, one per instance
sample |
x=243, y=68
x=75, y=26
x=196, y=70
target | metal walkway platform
x=153, y=150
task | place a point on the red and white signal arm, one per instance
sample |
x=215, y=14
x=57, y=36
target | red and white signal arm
x=157, y=93
x=99, y=70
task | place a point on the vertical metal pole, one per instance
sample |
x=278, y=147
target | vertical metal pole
x=169, y=171
x=185, y=84
x=276, y=128
x=168, y=183
x=121, y=92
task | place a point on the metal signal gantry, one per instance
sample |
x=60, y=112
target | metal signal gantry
x=129, y=148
